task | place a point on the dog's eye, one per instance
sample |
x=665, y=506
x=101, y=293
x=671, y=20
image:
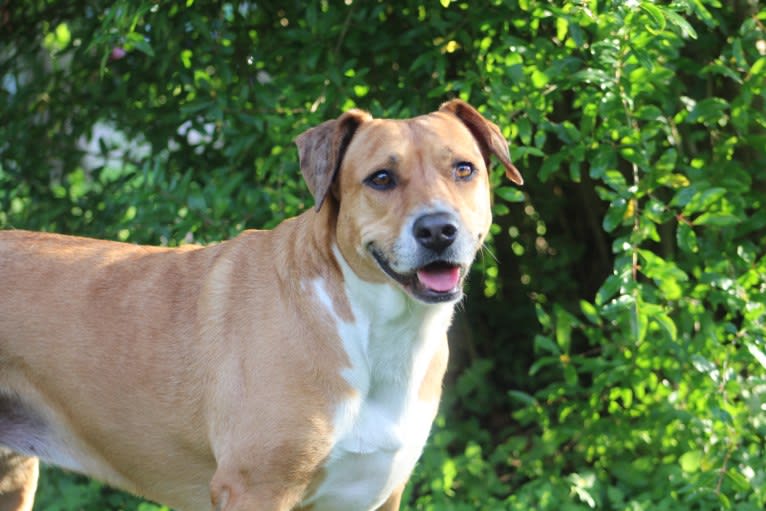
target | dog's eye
x=464, y=171
x=381, y=180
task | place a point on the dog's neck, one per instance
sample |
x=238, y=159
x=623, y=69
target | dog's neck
x=390, y=331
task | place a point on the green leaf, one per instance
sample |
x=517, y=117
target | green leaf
x=449, y=472
x=691, y=461
x=523, y=397
x=639, y=320
x=684, y=195
x=570, y=375
x=542, y=362
x=676, y=19
x=564, y=324
x=137, y=41
x=717, y=219
x=670, y=289
x=543, y=343
x=655, y=13
x=739, y=481
x=723, y=70
x=543, y=317
x=665, y=273
x=701, y=200
x=615, y=214
x=667, y=324
x=510, y=194
x=525, y=130
x=520, y=152
x=616, y=181
x=590, y=312
x=757, y=67
x=674, y=181
x=562, y=26
x=186, y=58
x=756, y=352
x=608, y=289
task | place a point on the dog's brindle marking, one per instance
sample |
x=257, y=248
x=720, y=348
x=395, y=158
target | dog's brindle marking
x=298, y=368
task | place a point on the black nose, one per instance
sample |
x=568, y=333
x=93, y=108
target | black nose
x=435, y=231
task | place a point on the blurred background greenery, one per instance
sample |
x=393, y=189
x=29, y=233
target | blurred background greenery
x=611, y=353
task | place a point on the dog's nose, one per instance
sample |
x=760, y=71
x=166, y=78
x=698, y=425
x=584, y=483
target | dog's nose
x=435, y=231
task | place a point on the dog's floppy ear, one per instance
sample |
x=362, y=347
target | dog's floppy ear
x=321, y=150
x=491, y=141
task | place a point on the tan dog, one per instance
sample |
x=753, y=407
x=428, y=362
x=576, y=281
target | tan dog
x=298, y=368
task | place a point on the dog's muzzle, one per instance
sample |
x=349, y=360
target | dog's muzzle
x=436, y=268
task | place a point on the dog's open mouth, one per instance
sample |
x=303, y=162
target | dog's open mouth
x=439, y=277
x=437, y=281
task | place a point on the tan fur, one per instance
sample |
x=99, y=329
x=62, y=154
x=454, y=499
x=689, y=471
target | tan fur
x=17, y=488
x=199, y=376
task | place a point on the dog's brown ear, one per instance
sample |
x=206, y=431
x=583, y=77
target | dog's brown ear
x=491, y=140
x=321, y=150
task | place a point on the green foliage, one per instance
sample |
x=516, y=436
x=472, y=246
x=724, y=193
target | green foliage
x=59, y=491
x=612, y=351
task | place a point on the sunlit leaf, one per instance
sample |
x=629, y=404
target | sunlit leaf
x=690, y=461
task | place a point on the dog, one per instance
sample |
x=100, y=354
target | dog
x=293, y=369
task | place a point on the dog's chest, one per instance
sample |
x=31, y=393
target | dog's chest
x=377, y=442
x=381, y=428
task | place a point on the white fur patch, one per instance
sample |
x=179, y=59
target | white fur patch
x=380, y=432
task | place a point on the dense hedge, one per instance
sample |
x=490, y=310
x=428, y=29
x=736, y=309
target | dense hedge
x=612, y=350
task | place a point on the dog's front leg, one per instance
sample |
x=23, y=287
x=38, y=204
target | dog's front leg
x=394, y=502
x=232, y=491
x=18, y=481
x=229, y=499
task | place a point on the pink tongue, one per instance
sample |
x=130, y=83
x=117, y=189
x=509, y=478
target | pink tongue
x=439, y=279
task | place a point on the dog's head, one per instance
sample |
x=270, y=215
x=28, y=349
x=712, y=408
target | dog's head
x=411, y=197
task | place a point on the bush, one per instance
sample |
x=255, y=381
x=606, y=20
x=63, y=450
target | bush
x=612, y=350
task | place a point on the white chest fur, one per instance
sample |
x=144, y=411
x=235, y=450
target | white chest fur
x=380, y=431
